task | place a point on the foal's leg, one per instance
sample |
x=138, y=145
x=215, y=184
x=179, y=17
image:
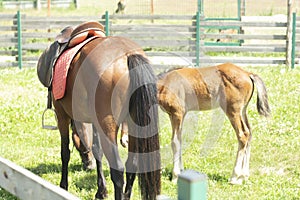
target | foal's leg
x=124, y=135
x=246, y=169
x=176, y=121
x=241, y=126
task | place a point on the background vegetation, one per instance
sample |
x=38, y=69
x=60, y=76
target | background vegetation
x=212, y=8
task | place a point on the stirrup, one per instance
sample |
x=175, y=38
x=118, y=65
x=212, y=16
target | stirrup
x=48, y=127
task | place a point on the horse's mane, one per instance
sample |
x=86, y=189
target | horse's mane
x=164, y=73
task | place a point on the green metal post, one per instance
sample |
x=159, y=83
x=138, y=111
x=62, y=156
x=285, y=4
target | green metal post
x=240, y=30
x=200, y=6
x=239, y=10
x=198, y=38
x=293, y=40
x=192, y=185
x=106, y=23
x=19, y=39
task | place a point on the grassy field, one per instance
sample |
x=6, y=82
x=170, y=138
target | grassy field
x=275, y=172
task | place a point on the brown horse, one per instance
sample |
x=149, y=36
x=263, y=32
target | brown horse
x=111, y=81
x=226, y=86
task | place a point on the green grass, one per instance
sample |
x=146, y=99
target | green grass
x=274, y=166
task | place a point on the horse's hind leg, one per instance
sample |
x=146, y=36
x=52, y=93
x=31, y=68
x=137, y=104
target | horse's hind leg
x=108, y=138
x=63, y=126
x=98, y=154
x=82, y=136
x=241, y=126
x=131, y=168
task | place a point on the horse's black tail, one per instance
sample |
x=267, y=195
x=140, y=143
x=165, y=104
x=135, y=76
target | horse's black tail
x=144, y=141
x=262, y=97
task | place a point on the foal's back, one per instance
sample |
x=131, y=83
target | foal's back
x=188, y=89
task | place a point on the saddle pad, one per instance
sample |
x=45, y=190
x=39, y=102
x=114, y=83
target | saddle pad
x=61, y=69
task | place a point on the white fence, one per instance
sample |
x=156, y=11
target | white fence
x=26, y=185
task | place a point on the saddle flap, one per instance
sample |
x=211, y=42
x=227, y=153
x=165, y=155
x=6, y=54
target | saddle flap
x=46, y=63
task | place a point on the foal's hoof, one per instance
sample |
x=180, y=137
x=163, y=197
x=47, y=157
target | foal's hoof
x=235, y=181
x=124, y=141
x=174, y=179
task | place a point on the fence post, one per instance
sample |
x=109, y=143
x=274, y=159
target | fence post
x=198, y=38
x=106, y=23
x=289, y=32
x=200, y=6
x=192, y=185
x=19, y=28
x=239, y=6
x=293, y=40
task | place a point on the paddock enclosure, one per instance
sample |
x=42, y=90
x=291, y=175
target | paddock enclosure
x=182, y=33
x=169, y=40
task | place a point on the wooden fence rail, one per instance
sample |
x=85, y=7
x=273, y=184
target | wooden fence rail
x=8, y=40
x=26, y=185
x=167, y=39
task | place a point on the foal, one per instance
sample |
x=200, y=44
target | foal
x=226, y=86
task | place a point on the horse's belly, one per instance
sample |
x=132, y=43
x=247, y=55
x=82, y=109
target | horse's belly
x=81, y=100
x=81, y=110
x=202, y=104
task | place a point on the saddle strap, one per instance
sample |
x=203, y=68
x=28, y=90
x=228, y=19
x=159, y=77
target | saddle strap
x=49, y=98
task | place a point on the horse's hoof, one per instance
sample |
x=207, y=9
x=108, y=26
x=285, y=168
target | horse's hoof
x=126, y=196
x=89, y=166
x=64, y=186
x=101, y=195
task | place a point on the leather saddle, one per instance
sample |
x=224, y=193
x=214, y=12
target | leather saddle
x=67, y=38
x=80, y=33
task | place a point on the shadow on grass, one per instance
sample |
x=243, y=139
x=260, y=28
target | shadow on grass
x=218, y=178
x=167, y=172
x=87, y=182
x=56, y=168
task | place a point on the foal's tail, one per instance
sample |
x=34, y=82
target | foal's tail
x=144, y=141
x=262, y=97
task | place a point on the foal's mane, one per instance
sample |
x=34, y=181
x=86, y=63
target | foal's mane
x=164, y=73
